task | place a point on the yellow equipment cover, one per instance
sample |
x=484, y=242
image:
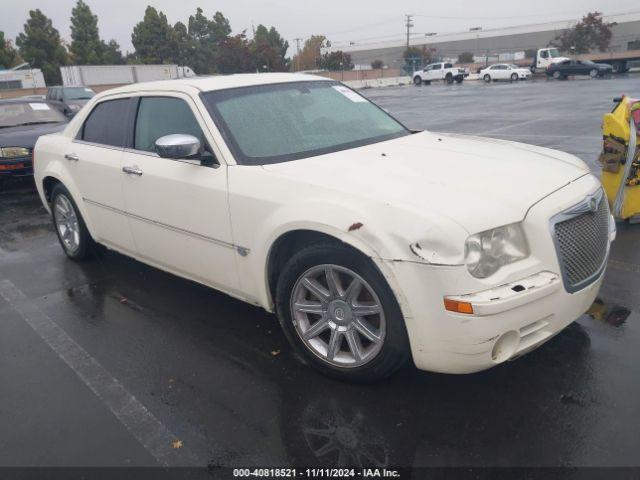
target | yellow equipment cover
x=620, y=158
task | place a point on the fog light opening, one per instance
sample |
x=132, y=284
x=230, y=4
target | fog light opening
x=505, y=347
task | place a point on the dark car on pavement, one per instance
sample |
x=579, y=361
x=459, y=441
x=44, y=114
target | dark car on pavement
x=578, y=67
x=69, y=100
x=22, y=121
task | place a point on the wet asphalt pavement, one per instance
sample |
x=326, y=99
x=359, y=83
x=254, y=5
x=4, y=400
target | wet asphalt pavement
x=220, y=381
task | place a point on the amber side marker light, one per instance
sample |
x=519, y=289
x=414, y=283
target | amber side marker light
x=458, y=307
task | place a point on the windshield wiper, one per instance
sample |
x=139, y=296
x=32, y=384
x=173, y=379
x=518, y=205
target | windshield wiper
x=30, y=123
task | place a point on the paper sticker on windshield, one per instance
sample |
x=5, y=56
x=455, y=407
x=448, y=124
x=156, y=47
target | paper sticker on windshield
x=88, y=90
x=39, y=106
x=350, y=94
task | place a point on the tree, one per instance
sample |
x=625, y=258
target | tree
x=270, y=50
x=181, y=44
x=336, y=61
x=111, y=54
x=465, y=57
x=9, y=56
x=377, y=64
x=590, y=33
x=152, y=38
x=40, y=45
x=309, y=57
x=204, y=37
x=416, y=57
x=234, y=55
x=86, y=47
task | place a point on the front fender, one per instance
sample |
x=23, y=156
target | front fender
x=383, y=233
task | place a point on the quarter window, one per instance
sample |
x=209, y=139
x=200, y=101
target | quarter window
x=107, y=123
x=160, y=116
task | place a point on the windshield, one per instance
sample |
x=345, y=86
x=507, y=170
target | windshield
x=77, y=93
x=12, y=114
x=280, y=122
x=553, y=52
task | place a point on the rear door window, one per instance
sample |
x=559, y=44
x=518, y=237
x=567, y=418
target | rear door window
x=160, y=116
x=107, y=123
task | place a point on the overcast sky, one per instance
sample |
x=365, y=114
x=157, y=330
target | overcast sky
x=340, y=20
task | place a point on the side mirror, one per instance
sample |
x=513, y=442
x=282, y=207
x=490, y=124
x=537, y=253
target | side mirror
x=177, y=146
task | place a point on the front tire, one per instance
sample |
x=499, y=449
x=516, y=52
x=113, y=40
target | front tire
x=593, y=73
x=487, y=78
x=514, y=77
x=417, y=81
x=340, y=315
x=70, y=228
x=448, y=79
x=557, y=75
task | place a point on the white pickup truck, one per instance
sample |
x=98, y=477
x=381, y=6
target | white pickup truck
x=439, y=71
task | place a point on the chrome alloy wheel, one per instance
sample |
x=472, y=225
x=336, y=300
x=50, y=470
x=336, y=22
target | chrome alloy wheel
x=67, y=223
x=338, y=315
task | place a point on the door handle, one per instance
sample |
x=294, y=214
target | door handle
x=72, y=157
x=135, y=170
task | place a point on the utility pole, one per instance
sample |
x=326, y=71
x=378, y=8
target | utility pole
x=408, y=24
x=297, y=40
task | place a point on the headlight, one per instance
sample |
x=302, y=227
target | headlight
x=74, y=108
x=14, y=152
x=486, y=252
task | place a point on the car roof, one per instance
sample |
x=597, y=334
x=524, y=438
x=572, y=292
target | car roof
x=218, y=82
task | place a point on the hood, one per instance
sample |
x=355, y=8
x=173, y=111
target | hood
x=559, y=59
x=27, y=135
x=479, y=183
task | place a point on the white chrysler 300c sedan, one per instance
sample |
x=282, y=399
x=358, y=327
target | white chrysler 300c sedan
x=371, y=242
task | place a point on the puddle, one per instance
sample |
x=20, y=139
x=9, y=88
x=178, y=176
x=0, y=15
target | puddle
x=609, y=313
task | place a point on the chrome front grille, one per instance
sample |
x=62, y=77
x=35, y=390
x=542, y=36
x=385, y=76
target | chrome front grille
x=581, y=235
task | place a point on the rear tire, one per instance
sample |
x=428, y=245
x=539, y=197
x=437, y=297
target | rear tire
x=593, y=73
x=338, y=314
x=448, y=78
x=72, y=232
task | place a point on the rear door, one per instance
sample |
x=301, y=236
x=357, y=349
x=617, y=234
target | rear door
x=95, y=161
x=178, y=209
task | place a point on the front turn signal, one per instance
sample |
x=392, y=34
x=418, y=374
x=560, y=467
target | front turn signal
x=457, y=307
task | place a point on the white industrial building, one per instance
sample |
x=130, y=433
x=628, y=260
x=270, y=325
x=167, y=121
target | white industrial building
x=490, y=42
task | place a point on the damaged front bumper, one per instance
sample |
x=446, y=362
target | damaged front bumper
x=507, y=321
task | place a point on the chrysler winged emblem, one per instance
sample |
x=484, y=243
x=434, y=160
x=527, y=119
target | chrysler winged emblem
x=589, y=204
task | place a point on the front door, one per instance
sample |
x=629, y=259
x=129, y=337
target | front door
x=178, y=209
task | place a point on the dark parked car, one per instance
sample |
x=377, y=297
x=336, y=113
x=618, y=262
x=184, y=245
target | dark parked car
x=69, y=100
x=578, y=67
x=22, y=121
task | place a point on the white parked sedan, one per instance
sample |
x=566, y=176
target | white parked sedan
x=504, y=71
x=295, y=193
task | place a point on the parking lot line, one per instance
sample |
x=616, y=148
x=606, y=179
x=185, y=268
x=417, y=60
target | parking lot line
x=137, y=419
